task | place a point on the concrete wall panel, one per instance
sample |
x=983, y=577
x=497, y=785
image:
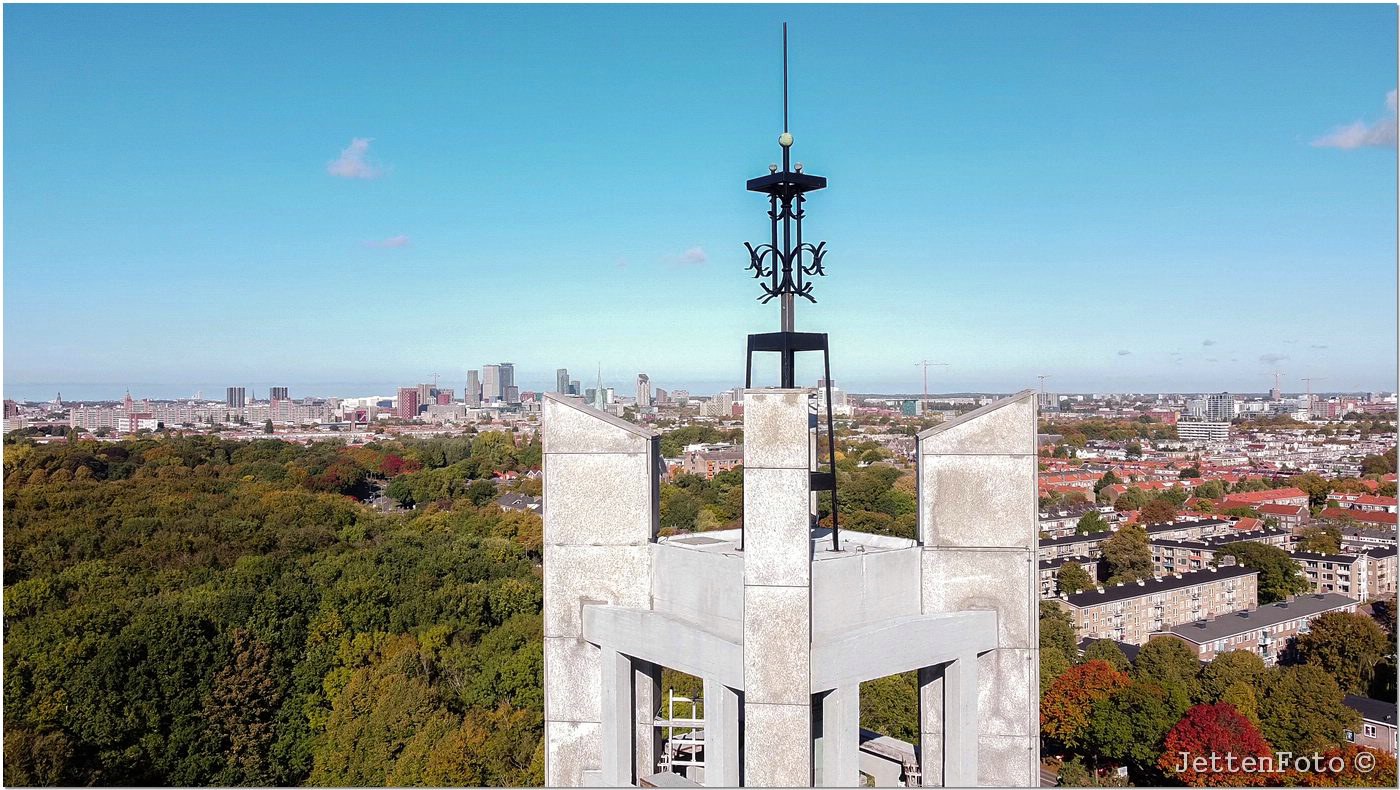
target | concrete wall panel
x=860, y=589
x=575, y=575
x=1007, y=426
x=777, y=526
x=777, y=645
x=571, y=748
x=701, y=587
x=599, y=499
x=1000, y=579
x=775, y=429
x=575, y=428
x=978, y=500
x=777, y=745
x=572, y=695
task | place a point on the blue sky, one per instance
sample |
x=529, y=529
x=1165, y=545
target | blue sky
x=1159, y=198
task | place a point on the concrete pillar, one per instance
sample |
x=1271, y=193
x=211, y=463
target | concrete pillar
x=646, y=699
x=721, y=735
x=601, y=484
x=618, y=737
x=840, y=737
x=978, y=530
x=777, y=589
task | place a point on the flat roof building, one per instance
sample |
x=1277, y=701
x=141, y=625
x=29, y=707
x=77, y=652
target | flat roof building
x=1133, y=611
x=1265, y=631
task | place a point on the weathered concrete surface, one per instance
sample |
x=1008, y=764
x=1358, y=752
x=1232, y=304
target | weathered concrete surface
x=601, y=491
x=777, y=543
x=706, y=588
x=777, y=745
x=977, y=524
x=777, y=589
x=858, y=589
x=977, y=500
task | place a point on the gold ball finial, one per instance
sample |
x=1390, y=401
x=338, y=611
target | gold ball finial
x=785, y=140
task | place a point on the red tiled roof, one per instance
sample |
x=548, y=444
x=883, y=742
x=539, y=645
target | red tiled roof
x=1364, y=516
x=1281, y=510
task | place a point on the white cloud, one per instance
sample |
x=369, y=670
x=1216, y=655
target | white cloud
x=1124, y=352
x=1271, y=358
x=354, y=161
x=393, y=242
x=1207, y=342
x=695, y=256
x=1381, y=134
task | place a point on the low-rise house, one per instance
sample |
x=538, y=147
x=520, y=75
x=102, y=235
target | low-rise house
x=707, y=464
x=1264, y=631
x=1364, y=502
x=1356, y=537
x=519, y=502
x=1132, y=612
x=1285, y=515
x=1378, y=730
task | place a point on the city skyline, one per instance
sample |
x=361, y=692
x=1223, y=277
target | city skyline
x=1006, y=202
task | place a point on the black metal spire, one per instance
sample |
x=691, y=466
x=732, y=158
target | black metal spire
x=788, y=261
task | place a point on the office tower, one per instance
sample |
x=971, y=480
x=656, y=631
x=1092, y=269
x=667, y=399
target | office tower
x=277, y=393
x=561, y=381
x=427, y=393
x=643, y=391
x=472, y=395
x=1048, y=401
x=444, y=397
x=490, y=383
x=575, y=387
x=407, y=406
x=235, y=397
x=1220, y=407
x=662, y=397
x=591, y=395
x=511, y=395
x=508, y=381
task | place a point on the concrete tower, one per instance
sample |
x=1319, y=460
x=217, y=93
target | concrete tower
x=781, y=627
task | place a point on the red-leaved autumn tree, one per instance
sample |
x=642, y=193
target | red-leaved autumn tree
x=1216, y=733
x=1067, y=705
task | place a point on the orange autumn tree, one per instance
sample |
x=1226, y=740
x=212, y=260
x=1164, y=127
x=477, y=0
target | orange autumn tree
x=1215, y=733
x=1067, y=705
x=1376, y=769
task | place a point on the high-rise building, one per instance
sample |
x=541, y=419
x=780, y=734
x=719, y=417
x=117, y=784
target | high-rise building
x=235, y=397
x=575, y=387
x=663, y=398
x=444, y=397
x=643, y=391
x=508, y=383
x=1048, y=401
x=561, y=381
x=427, y=393
x=407, y=406
x=1220, y=407
x=472, y=395
x=277, y=393
x=491, y=383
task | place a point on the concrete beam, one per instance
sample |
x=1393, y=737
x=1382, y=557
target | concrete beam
x=900, y=645
x=665, y=640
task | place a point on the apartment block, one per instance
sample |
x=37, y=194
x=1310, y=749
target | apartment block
x=1265, y=631
x=1378, y=730
x=1132, y=612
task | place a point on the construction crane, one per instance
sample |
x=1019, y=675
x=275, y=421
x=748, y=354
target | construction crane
x=1042, y=383
x=925, y=364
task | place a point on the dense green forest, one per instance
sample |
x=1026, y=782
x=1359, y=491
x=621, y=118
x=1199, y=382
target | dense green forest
x=188, y=610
